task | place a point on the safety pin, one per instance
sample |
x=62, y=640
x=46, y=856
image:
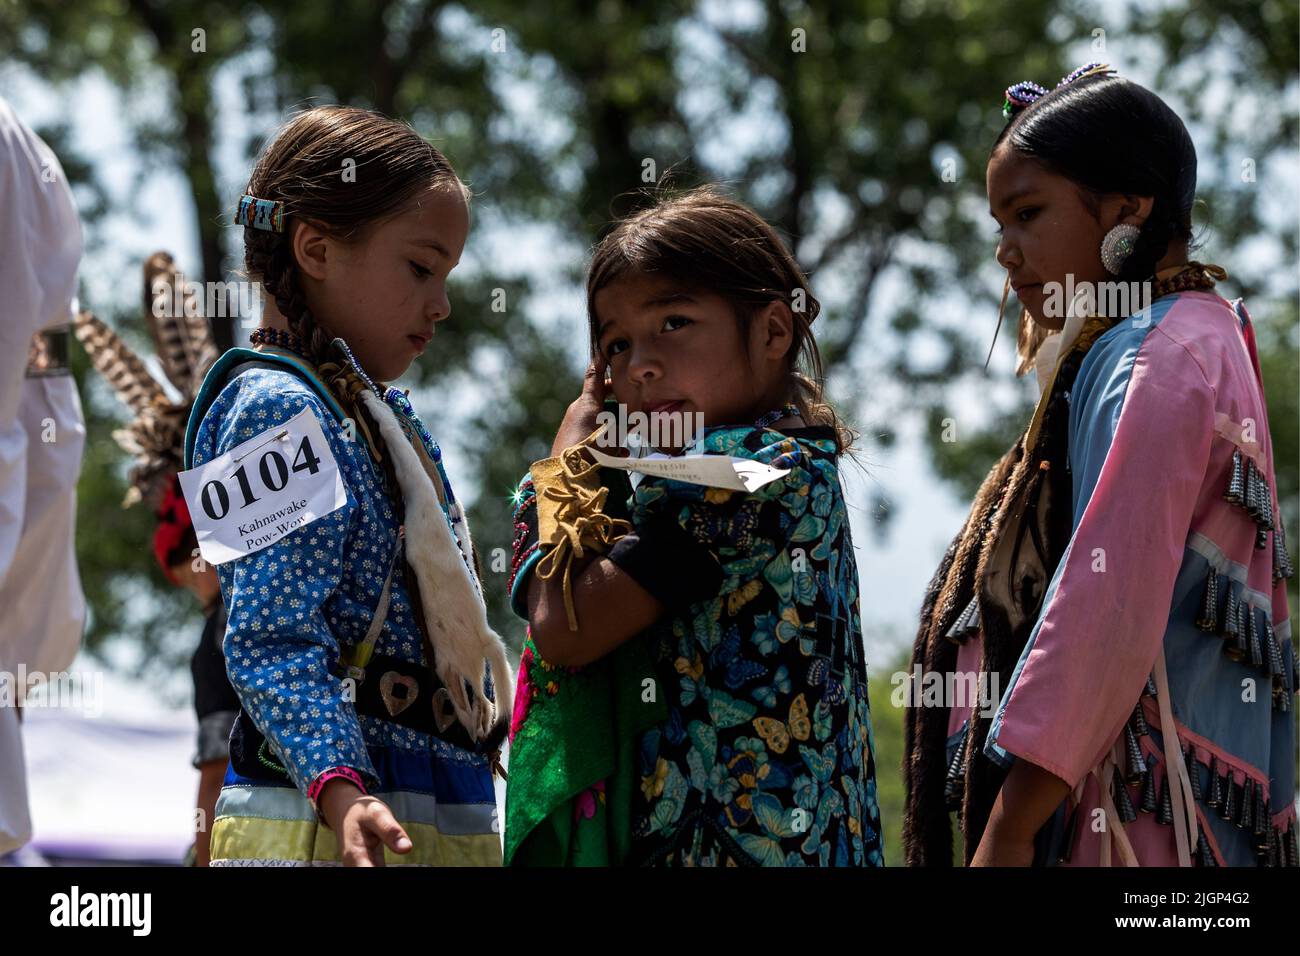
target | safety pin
x=283, y=434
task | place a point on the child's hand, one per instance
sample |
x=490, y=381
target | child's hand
x=580, y=419
x=363, y=824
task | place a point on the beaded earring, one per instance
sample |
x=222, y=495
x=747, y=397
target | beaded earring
x=1117, y=246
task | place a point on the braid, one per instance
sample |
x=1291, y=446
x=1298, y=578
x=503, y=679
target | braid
x=280, y=277
x=281, y=280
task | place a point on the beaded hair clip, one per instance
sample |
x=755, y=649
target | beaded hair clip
x=267, y=214
x=1026, y=92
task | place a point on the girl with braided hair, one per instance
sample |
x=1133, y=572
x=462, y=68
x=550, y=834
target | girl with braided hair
x=1121, y=573
x=374, y=693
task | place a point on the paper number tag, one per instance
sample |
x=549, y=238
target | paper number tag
x=715, y=471
x=258, y=492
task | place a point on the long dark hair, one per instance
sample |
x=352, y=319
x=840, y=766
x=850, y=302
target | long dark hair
x=1110, y=135
x=707, y=240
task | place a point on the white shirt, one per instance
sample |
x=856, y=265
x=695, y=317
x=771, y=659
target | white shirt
x=42, y=434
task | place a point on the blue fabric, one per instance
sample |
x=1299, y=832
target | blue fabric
x=293, y=603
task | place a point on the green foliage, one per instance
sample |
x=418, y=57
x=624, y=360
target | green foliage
x=887, y=735
x=859, y=127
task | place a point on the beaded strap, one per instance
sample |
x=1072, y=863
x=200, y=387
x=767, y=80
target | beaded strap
x=526, y=540
x=1192, y=277
x=347, y=773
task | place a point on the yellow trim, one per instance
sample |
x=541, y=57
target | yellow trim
x=257, y=838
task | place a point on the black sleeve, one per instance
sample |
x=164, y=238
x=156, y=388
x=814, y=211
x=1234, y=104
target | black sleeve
x=212, y=690
x=669, y=563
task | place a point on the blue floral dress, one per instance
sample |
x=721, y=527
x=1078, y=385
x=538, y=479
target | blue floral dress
x=295, y=607
x=766, y=757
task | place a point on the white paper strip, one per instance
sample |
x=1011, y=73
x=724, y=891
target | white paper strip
x=715, y=471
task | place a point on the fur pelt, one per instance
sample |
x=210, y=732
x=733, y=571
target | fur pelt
x=453, y=611
x=1005, y=555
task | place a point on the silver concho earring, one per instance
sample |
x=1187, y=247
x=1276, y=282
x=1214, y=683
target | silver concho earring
x=1117, y=246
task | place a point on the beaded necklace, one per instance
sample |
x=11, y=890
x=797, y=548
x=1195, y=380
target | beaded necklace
x=277, y=337
x=788, y=410
x=1189, y=278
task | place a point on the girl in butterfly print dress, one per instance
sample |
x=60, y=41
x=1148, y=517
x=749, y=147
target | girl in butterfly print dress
x=748, y=601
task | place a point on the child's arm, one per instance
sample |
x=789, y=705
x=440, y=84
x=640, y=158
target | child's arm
x=610, y=605
x=1029, y=796
x=278, y=645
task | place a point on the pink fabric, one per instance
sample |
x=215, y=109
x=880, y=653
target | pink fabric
x=1099, y=635
x=319, y=783
x=1160, y=491
x=969, y=656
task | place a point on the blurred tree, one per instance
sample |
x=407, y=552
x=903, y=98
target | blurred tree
x=859, y=127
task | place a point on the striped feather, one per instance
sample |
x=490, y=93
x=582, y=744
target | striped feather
x=119, y=365
x=181, y=335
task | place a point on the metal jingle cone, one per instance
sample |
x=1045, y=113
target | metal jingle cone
x=1251, y=503
x=1134, y=754
x=1229, y=624
x=1239, y=648
x=1215, y=798
x=1123, y=802
x=1151, y=686
x=1203, y=851
x=1246, y=808
x=1209, y=619
x=1261, y=811
x=1236, y=493
x=1166, y=813
x=1194, y=772
x=1292, y=846
x=1274, y=650
x=1261, y=538
x=1139, y=721
x=955, y=783
x=1228, y=810
x=1266, y=502
x=1256, y=648
x=1147, y=800
x=1281, y=558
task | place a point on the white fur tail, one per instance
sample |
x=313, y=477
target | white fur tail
x=463, y=641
